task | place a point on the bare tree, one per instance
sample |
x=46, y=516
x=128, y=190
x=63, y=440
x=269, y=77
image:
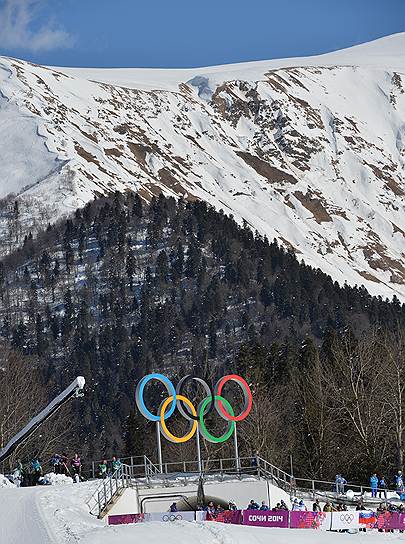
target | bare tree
x=393, y=363
x=357, y=397
x=23, y=395
x=317, y=422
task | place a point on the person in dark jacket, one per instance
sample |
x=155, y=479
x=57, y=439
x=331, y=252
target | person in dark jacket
x=383, y=488
x=173, y=507
x=316, y=507
x=76, y=464
x=55, y=463
x=253, y=505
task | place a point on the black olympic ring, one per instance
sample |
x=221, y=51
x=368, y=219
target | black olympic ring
x=172, y=517
x=183, y=408
x=347, y=518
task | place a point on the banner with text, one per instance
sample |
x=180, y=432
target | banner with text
x=265, y=518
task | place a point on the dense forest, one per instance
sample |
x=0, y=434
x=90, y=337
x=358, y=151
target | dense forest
x=122, y=288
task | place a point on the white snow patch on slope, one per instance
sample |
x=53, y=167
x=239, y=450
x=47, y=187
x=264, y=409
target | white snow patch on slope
x=24, y=157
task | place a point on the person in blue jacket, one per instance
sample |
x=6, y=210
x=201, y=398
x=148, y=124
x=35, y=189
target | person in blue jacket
x=340, y=484
x=264, y=506
x=399, y=482
x=253, y=505
x=383, y=488
x=374, y=485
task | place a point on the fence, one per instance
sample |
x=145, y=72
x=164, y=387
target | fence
x=324, y=521
x=109, y=489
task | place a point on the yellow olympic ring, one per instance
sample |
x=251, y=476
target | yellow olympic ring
x=190, y=434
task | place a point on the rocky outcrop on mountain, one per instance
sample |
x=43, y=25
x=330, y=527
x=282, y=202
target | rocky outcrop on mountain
x=312, y=155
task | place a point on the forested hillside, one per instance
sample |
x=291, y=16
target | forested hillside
x=122, y=289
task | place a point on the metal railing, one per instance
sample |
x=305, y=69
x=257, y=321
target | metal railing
x=316, y=488
x=141, y=471
x=109, y=488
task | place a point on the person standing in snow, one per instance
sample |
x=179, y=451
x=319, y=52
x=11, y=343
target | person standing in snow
x=102, y=469
x=55, y=461
x=316, y=507
x=18, y=473
x=295, y=505
x=36, y=470
x=383, y=487
x=254, y=462
x=173, y=507
x=328, y=507
x=115, y=464
x=253, y=505
x=399, y=482
x=374, y=485
x=63, y=465
x=301, y=506
x=340, y=484
x=264, y=506
x=76, y=465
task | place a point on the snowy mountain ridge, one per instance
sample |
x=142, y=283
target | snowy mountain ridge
x=309, y=151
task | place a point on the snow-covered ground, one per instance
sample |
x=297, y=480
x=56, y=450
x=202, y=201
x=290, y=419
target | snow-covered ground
x=59, y=515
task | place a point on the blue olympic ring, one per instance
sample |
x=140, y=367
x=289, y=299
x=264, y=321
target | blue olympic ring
x=141, y=403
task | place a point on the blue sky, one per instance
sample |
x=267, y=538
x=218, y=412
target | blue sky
x=180, y=33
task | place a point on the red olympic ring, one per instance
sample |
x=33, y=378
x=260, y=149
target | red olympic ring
x=246, y=391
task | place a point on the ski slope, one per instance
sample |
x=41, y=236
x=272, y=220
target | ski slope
x=59, y=515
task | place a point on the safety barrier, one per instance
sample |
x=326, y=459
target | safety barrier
x=108, y=489
x=123, y=519
x=324, y=521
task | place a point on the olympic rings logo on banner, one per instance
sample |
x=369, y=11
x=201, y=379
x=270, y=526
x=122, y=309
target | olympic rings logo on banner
x=172, y=517
x=346, y=518
x=186, y=408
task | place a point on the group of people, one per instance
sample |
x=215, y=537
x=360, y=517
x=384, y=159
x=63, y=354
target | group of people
x=328, y=507
x=30, y=473
x=215, y=509
x=253, y=505
x=105, y=468
x=379, y=484
x=61, y=464
x=26, y=474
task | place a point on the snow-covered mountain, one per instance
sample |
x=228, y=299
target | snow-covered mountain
x=308, y=150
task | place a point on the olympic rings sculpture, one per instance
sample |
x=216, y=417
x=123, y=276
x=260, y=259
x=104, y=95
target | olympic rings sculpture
x=195, y=416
